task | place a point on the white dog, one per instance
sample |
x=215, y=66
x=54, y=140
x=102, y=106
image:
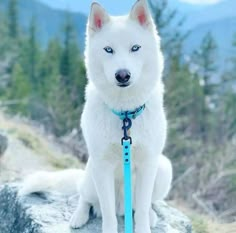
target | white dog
x=124, y=68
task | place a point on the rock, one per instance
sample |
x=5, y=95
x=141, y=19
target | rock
x=3, y=144
x=75, y=143
x=50, y=213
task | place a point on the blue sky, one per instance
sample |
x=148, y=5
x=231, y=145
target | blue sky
x=84, y=5
x=201, y=1
x=110, y=5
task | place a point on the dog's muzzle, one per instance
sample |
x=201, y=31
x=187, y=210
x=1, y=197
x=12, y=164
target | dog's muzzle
x=123, y=77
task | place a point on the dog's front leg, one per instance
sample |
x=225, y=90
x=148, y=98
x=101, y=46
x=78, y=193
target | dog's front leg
x=103, y=176
x=145, y=178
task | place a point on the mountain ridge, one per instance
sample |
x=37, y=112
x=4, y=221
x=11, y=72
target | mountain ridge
x=220, y=11
x=49, y=21
x=200, y=20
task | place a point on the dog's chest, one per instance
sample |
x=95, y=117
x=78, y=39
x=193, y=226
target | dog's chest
x=114, y=155
x=103, y=131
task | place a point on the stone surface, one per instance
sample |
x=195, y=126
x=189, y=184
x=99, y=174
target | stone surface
x=47, y=213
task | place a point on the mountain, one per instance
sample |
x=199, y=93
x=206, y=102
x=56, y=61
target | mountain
x=222, y=31
x=49, y=21
x=219, y=19
x=211, y=13
x=185, y=8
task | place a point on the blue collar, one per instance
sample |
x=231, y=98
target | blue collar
x=129, y=114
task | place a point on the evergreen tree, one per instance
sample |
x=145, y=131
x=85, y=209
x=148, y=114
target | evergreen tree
x=204, y=59
x=4, y=43
x=33, y=55
x=228, y=99
x=169, y=25
x=184, y=102
x=181, y=87
x=72, y=67
x=49, y=69
x=29, y=57
x=233, y=59
x=69, y=44
x=66, y=80
x=13, y=28
x=19, y=91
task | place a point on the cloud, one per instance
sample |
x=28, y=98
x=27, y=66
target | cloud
x=201, y=2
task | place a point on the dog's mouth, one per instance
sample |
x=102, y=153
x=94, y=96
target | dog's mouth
x=123, y=84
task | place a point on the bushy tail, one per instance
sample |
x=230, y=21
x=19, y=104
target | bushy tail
x=66, y=182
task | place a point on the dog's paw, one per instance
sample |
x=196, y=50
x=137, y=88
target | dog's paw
x=78, y=220
x=153, y=218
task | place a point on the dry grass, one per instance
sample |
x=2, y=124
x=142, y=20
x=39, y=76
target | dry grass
x=202, y=223
x=35, y=140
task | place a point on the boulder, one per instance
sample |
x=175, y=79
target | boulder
x=50, y=213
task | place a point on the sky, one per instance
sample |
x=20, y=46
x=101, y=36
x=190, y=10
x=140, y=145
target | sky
x=83, y=6
x=201, y=1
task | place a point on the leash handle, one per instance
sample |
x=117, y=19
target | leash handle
x=127, y=186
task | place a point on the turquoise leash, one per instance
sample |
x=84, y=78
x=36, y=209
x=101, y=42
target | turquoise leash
x=126, y=143
x=128, y=186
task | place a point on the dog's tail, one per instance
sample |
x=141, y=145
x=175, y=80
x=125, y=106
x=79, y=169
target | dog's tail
x=66, y=182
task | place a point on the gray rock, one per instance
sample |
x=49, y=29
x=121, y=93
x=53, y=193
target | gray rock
x=3, y=144
x=47, y=213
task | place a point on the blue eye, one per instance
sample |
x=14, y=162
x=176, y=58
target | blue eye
x=135, y=48
x=109, y=50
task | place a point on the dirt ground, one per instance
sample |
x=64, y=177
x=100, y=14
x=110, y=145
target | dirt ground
x=29, y=150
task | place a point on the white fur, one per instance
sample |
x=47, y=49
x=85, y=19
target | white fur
x=102, y=184
x=60, y=181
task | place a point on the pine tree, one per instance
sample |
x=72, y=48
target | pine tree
x=29, y=57
x=184, y=102
x=19, y=91
x=181, y=87
x=228, y=98
x=169, y=25
x=67, y=82
x=72, y=67
x=233, y=59
x=4, y=43
x=69, y=44
x=33, y=54
x=13, y=27
x=49, y=69
x=204, y=59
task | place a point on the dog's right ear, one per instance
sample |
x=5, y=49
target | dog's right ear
x=141, y=13
x=98, y=17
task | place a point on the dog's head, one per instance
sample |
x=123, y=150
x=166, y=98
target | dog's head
x=123, y=53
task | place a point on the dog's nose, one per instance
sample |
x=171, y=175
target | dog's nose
x=123, y=76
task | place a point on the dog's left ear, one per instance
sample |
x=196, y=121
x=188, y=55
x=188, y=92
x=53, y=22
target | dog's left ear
x=141, y=13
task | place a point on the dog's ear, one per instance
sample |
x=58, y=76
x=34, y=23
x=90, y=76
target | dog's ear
x=141, y=13
x=98, y=17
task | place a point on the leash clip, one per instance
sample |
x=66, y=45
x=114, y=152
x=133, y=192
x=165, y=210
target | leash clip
x=127, y=124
